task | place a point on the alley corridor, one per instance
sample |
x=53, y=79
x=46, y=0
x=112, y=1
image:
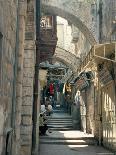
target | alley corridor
x=64, y=140
x=57, y=77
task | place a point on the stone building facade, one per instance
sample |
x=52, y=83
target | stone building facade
x=107, y=21
x=17, y=54
x=97, y=105
x=8, y=29
x=17, y=68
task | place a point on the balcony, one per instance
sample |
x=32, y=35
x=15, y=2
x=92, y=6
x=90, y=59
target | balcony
x=48, y=37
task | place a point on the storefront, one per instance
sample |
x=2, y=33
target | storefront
x=102, y=60
x=86, y=88
x=108, y=104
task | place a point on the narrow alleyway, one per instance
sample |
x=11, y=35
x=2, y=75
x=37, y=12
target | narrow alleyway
x=65, y=141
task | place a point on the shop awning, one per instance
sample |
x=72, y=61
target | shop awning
x=99, y=53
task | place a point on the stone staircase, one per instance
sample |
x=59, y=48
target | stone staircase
x=60, y=123
x=63, y=133
x=55, y=140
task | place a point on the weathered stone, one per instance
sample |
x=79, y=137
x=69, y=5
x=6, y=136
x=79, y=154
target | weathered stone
x=29, y=63
x=26, y=130
x=26, y=110
x=25, y=150
x=1, y=119
x=29, y=54
x=27, y=82
x=26, y=120
x=28, y=72
x=27, y=91
x=27, y=100
x=29, y=45
x=73, y=12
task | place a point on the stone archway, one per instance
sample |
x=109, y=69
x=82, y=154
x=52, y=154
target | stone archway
x=73, y=12
x=67, y=58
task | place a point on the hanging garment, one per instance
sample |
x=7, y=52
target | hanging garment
x=68, y=87
x=51, y=89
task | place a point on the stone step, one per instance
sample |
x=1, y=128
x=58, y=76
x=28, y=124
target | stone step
x=59, y=126
x=68, y=138
x=50, y=122
x=60, y=119
x=61, y=129
x=68, y=142
x=59, y=111
x=58, y=122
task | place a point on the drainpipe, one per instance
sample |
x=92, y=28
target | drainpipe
x=36, y=88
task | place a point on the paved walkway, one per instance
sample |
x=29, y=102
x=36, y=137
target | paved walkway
x=53, y=145
x=46, y=149
x=53, y=149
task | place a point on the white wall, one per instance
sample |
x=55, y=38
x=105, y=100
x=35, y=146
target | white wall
x=64, y=33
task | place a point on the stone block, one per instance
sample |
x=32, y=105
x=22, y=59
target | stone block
x=28, y=82
x=26, y=140
x=26, y=120
x=1, y=144
x=29, y=45
x=17, y=132
x=27, y=91
x=28, y=72
x=1, y=119
x=29, y=54
x=27, y=100
x=26, y=110
x=25, y=150
x=26, y=130
x=29, y=63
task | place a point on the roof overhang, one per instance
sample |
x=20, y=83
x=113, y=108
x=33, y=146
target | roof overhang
x=98, y=54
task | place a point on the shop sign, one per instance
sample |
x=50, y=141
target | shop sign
x=104, y=74
x=82, y=82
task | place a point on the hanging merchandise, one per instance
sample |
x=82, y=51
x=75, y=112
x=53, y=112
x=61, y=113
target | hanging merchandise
x=61, y=87
x=51, y=89
x=67, y=88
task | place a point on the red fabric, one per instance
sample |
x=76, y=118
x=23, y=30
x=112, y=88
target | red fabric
x=51, y=88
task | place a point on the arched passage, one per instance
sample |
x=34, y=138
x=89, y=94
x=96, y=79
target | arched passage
x=67, y=58
x=58, y=9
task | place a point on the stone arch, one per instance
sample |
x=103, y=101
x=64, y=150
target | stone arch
x=67, y=58
x=58, y=9
x=55, y=58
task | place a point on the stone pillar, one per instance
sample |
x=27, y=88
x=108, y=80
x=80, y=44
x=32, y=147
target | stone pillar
x=28, y=81
x=21, y=38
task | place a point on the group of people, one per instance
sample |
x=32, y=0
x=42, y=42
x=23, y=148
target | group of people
x=45, y=110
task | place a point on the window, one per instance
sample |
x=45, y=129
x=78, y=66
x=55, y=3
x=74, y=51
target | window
x=46, y=22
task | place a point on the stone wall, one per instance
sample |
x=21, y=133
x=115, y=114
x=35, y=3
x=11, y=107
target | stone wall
x=80, y=42
x=8, y=18
x=90, y=109
x=28, y=81
x=107, y=13
x=73, y=12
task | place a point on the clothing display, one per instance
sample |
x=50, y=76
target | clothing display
x=51, y=89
